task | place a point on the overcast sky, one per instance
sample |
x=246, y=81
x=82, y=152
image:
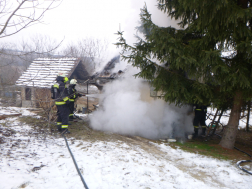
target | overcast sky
x=77, y=19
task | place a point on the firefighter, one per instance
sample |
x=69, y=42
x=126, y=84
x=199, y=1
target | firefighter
x=62, y=102
x=72, y=95
x=199, y=119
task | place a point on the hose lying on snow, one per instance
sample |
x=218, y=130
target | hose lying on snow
x=76, y=166
x=242, y=161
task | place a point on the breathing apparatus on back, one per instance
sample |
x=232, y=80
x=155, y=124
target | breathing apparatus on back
x=55, y=88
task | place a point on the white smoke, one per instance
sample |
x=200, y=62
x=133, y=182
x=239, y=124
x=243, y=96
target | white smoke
x=127, y=108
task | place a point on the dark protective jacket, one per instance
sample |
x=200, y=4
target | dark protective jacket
x=200, y=115
x=200, y=108
x=72, y=92
x=62, y=92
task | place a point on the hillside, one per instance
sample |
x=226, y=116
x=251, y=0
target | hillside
x=34, y=155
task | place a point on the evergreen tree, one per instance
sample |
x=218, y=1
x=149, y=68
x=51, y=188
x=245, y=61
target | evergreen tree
x=188, y=64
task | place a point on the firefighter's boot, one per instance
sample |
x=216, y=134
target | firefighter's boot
x=59, y=126
x=203, y=131
x=195, y=134
x=64, y=129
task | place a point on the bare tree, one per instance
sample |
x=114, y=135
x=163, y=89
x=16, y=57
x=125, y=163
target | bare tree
x=38, y=46
x=14, y=17
x=92, y=51
x=20, y=14
x=9, y=75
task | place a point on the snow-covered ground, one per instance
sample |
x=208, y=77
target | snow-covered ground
x=28, y=161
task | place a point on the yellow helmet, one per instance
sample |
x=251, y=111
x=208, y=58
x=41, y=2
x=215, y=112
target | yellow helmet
x=65, y=79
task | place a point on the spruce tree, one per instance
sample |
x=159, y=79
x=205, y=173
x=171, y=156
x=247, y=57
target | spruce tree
x=188, y=64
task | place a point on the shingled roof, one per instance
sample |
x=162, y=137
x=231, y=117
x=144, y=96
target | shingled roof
x=42, y=72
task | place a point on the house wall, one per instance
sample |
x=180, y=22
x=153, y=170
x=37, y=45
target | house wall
x=40, y=98
x=27, y=103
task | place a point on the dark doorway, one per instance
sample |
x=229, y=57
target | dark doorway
x=27, y=94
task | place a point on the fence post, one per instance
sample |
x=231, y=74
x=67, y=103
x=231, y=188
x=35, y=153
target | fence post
x=247, y=124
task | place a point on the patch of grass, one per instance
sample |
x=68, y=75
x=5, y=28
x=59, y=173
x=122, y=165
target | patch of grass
x=195, y=145
x=39, y=124
x=210, y=147
x=81, y=131
x=31, y=120
x=202, y=148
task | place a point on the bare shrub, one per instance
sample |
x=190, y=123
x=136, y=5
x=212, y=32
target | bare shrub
x=44, y=101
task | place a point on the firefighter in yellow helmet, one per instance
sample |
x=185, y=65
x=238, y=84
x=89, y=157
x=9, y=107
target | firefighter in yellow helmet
x=62, y=101
x=73, y=94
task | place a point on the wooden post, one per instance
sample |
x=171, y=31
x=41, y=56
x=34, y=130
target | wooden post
x=247, y=124
x=87, y=97
x=209, y=129
x=217, y=122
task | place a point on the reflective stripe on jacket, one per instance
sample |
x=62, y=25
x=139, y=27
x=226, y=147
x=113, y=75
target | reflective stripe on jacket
x=60, y=103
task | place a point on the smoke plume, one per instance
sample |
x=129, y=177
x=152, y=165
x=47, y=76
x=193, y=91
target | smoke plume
x=127, y=108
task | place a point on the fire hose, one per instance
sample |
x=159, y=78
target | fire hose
x=76, y=166
x=242, y=161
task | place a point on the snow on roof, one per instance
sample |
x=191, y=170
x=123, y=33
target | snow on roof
x=42, y=72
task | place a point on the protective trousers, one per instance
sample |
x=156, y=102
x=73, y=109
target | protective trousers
x=199, y=119
x=71, y=110
x=63, y=116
